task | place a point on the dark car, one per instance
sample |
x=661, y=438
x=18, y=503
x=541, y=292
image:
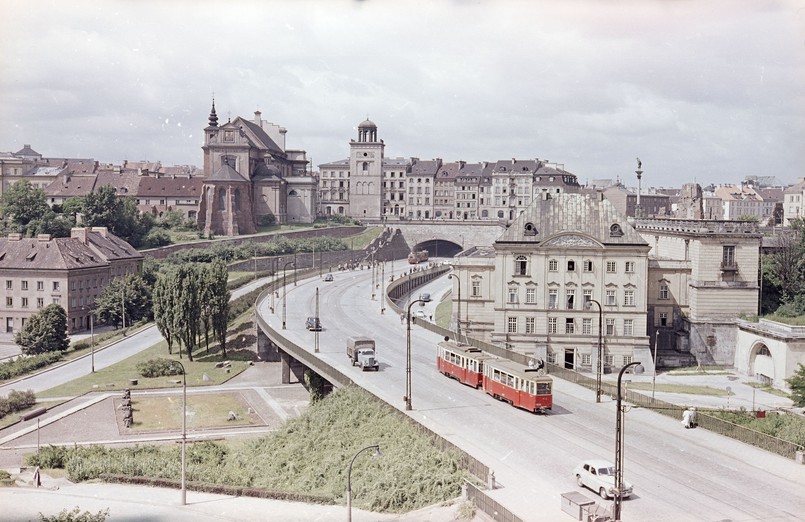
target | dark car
x=425, y=296
x=313, y=324
x=328, y=277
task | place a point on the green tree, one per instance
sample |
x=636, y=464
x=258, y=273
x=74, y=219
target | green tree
x=45, y=331
x=129, y=294
x=785, y=268
x=103, y=208
x=165, y=295
x=22, y=203
x=50, y=223
x=218, y=302
x=188, y=286
x=797, y=384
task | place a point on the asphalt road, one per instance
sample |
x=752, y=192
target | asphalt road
x=678, y=474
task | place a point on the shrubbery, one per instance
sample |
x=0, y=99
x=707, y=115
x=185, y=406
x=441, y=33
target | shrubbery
x=16, y=401
x=25, y=364
x=75, y=515
x=787, y=427
x=158, y=368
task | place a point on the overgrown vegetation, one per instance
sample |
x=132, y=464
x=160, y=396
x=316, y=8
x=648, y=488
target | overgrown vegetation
x=16, y=401
x=278, y=246
x=787, y=427
x=797, y=384
x=309, y=454
x=158, y=368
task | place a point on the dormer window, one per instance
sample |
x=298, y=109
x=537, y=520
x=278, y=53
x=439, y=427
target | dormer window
x=530, y=230
x=615, y=230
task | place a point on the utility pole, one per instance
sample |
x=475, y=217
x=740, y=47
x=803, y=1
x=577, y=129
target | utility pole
x=316, y=332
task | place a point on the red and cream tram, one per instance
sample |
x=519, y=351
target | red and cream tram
x=520, y=386
x=461, y=362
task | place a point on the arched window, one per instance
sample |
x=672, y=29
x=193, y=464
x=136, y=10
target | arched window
x=293, y=193
x=222, y=199
x=500, y=214
x=530, y=230
x=236, y=203
x=521, y=265
x=365, y=166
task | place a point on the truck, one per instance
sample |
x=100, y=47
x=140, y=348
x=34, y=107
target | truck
x=361, y=351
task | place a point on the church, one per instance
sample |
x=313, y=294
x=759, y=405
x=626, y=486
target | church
x=251, y=179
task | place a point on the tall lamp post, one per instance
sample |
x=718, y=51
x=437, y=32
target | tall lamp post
x=599, y=360
x=349, y=477
x=616, y=509
x=407, y=397
x=184, y=432
x=92, y=339
x=458, y=315
x=284, y=291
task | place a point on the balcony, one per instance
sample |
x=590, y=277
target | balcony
x=729, y=266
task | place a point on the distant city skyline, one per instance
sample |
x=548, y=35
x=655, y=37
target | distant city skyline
x=707, y=92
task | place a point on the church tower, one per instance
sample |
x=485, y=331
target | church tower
x=366, y=173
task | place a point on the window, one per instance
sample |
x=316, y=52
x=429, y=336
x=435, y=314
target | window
x=628, y=298
x=553, y=265
x=529, y=325
x=571, y=266
x=520, y=265
x=586, y=326
x=530, y=295
x=609, y=360
x=728, y=257
x=663, y=291
x=40, y=302
x=511, y=326
x=512, y=294
x=24, y=285
x=40, y=285
x=588, y=296
x=56, y=300
x=571, y=298
x=610, y=267
x=610, y=327
x=570, y=326
x=588, y=266
x=586, y=359
x=628, y=327
x=552, y=325
x=629, y=267
x=476, y=289
x=627, y=359
x=8, y=284
x=553, y=295
x=24, y=302
x=9, y=301
x=56, y=286
x=611, y=297
x=663, y=319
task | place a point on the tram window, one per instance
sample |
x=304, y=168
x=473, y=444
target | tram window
x=543, y=388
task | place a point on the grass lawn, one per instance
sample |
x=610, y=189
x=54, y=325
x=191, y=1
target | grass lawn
x=681, y=388
x=768, y=389
x=203, y=411
x=443, y=312
x=116, y=377
x=362, y=240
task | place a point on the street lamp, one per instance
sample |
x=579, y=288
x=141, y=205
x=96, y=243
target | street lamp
x=184, y=432
x=407, y=397
x=92, y=339
x=616, y=509
x=458, y=315
x=285, y=291
x=349, y=477
x=599, y=361
x=654, y=363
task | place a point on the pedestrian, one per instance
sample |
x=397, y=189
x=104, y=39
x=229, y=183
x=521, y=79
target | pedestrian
x=37, y=478
x=686, y=419
x=402, y=318
x=693, y=421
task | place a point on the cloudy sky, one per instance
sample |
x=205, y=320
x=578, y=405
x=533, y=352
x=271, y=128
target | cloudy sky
x=706, y=91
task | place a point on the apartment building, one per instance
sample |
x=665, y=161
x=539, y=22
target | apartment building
x=71, y=272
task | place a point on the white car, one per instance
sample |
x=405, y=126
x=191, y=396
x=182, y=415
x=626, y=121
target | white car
x=599, y=475
x=420, y=313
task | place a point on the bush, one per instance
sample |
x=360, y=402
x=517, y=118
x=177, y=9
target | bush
x=26, y=364
x=75, y=515
x=156, y=238
x=49, y=457
x=16, y=401
x=158, y=368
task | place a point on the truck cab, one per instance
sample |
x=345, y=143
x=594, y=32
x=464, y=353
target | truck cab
x=361, y=351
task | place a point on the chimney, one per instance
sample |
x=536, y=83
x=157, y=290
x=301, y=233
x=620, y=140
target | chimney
x=16, y=236
x=103, y=231
x=80, y=234
x=44, y=237
x=258, y=118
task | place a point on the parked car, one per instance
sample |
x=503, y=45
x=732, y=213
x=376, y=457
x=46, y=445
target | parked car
x=328, y=277
x=599, y=475
x=420, y=313
x=313, y=324
x=425, y=296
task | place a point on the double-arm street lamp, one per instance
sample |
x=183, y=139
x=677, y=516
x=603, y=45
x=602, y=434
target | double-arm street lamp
x=407, y=397
x=618, y=498
x=349, y=477
x=184, y=432
x=284, y=292
x=599, y=361
x=458, y=314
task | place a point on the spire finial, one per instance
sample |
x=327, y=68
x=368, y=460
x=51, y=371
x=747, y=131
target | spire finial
x=213, y=116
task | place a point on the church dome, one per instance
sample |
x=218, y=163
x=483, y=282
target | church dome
x=367, y=124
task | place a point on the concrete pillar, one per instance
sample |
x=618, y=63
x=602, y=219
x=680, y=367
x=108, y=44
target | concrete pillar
x=266, y=350
x=286, y=367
